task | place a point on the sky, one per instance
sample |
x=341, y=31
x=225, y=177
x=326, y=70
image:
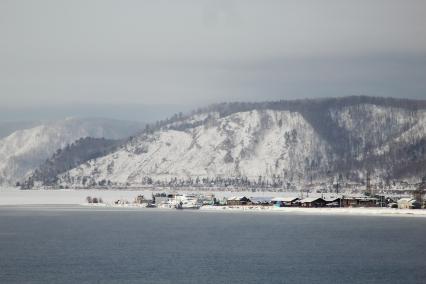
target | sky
x=66, y=54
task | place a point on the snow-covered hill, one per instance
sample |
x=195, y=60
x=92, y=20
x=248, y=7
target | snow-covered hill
x=285, y=141
x=24, y=150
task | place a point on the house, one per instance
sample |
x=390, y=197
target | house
x=312, y=202
x=408, y=203
x=237, y=200
x=333, y=202
x=359, y=201
x=285, y=201
x=366, y=201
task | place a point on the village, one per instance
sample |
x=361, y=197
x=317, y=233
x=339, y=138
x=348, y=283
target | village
x=199, y=200
x=369, y=198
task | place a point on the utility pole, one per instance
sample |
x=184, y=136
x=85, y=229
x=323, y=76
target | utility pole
x=368, y=190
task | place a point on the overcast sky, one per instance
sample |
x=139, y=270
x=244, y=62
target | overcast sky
x=197, y=52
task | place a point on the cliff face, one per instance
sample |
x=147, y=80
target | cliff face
x=293, y=141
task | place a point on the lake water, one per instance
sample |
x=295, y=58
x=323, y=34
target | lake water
x=79, y=245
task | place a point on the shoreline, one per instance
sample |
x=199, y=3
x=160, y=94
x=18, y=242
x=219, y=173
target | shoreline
x=383, y=212
x=353, y=211
x=75, y=200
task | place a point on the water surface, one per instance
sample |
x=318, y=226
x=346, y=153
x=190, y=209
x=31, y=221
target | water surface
x=78, y=245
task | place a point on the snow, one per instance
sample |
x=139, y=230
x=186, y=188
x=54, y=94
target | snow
x=375, y=129
x=251, y=144
x=24, y=150
x=320, y=211
x=11, y=195
x=16, y=197
x=309, y=199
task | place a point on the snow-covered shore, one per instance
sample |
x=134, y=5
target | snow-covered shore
x=16, y=197
x=13, y=196
x=319, y=211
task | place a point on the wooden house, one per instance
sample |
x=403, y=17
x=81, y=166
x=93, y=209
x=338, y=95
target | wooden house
x=285, y=201
x=237, y=200
x=312, y=202
x=333, y=202
x=264, y=201
x=359, y=201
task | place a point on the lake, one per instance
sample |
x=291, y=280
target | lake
x=72, y=244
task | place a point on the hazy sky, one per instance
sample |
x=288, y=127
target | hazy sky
x=197, y=52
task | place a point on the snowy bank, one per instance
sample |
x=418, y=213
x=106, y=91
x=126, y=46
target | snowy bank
x=15, y=196
x=319, y=211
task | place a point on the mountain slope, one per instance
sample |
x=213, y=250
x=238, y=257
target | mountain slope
x=246, y=144
x=24, y=150
x=69, y=157
x=288, y=141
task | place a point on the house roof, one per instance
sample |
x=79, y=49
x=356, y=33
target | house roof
x=239, y=198
x=310, y=199
x=285, y=199
x=331, y=199
x=260, y=199
x=366, y=198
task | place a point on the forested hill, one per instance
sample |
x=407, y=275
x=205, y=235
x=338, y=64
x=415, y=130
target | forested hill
x=69, y=157
x=278, y=142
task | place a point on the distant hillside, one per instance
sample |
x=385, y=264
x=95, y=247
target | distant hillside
x=24, y=150
x=284, y=142
x=69, y=157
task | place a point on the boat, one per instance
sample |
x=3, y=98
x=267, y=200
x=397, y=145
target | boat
x=188, y=202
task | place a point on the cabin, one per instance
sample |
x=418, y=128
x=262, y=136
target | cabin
x=366, y=201
x=408, y=203
x=333, y=202
x=236, y=201
x=359, y=201
x=285, y=201
x=313, y=202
